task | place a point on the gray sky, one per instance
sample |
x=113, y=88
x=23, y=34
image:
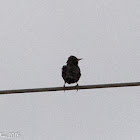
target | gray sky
x=38, y=36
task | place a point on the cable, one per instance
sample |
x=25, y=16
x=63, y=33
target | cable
x=70, y=88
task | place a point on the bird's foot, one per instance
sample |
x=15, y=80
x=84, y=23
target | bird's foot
x=77, y=87
x=64, y=87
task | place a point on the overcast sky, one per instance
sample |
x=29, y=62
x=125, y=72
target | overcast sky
x=37, y=37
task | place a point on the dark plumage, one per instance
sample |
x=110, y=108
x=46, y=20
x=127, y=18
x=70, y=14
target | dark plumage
x=71, y=72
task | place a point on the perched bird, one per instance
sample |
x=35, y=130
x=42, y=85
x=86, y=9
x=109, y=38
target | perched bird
x=71, y=72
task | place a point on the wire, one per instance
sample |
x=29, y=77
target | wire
x=70, y=88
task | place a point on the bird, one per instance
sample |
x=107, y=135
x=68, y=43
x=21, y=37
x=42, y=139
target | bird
x=71, y=72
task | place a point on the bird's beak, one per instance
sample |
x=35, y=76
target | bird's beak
x=80, y=59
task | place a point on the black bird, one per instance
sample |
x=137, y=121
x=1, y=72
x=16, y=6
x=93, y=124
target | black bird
x=71, y=72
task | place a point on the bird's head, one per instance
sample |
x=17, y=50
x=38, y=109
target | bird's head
x=72, y=60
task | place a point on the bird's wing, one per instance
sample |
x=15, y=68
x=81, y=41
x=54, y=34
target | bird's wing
x=64, y=69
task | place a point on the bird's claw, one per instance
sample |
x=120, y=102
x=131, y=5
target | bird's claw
x=77, y=87
x=64, y=87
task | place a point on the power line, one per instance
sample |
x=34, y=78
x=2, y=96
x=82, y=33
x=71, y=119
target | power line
x=70, y=88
